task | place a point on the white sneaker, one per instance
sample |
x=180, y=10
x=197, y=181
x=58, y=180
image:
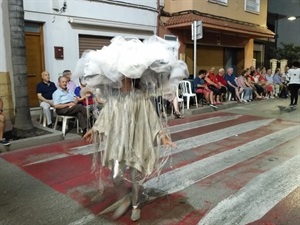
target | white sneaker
x=243, y=100
x=126, y=201
x=135, y=214
x=213, y=106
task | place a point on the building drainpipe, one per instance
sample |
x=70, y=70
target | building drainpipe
x=158, y=17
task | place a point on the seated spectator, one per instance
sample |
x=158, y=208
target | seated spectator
x=252, y=82
x=86, y=98
x=280, y=87
x=200, y=87
x=262, y=81
x=269, y=84
x=222, y=83
x=176, y=112
x=167, y=98
x=71, y=85
x=44, y=91
x=162, y=105
x=3, y=141
x=260, y=88
x=211, y=72
x=284, y=77
x=243, y=84
x=91, y=101
x=212, y=84
x=232, y=86
x=66, y=103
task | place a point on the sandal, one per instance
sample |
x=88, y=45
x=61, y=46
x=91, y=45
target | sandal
x=177, y=115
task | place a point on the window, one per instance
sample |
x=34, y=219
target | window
x=221, y=2
x=252, y=6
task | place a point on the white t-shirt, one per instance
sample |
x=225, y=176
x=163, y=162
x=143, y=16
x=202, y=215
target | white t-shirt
x=294, y=76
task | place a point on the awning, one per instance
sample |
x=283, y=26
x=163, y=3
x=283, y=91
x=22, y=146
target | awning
x=184, y=20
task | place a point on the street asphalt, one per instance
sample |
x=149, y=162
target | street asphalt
x=52, y=184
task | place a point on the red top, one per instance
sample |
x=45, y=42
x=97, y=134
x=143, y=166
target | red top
x=213, y=78
x=262, y=78
x=251, y=78
x=90, y=101
x=221, y=79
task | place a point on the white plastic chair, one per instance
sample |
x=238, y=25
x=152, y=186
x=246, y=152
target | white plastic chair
x=229, y=95
x=43, y=118
x=187, y=92
x=64, y=123
x=180, y=100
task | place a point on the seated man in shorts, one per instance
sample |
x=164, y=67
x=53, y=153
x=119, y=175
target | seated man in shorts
x=200, y=87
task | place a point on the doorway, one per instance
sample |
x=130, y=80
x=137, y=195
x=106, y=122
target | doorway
x=34, y=59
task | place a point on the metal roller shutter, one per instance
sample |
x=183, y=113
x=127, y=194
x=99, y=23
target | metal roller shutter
x=89, y=42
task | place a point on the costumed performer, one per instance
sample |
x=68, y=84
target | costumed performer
x=128, y=125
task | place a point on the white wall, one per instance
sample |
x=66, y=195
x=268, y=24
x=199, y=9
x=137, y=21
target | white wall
x=109, y=20
x=5, y=51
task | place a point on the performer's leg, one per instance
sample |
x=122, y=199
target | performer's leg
x=137, y=187
x=137, y=190
x=118, y=178
x=120, y=187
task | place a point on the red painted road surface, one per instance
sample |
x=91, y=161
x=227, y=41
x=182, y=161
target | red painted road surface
x=71, y=175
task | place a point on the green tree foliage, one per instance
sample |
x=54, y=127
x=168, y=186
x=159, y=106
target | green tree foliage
x=287, y=51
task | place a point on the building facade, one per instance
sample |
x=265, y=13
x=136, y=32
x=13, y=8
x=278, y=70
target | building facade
x=58, y=31
x=230, y=31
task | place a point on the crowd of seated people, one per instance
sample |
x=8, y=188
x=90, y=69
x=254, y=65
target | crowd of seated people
x=67, y=98
x=270, y=85
x=251, y=84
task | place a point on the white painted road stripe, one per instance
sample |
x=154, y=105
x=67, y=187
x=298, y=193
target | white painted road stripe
x=84, y=220
x=182, y=145
x=180, y=178
x=86, y=150
x=200, y=140
x=201, y=123
x=258, y=197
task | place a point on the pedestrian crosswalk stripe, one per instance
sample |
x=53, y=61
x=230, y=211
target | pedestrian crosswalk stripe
x=182, y=177
x=200, y=140
x=186, y=144
x=257, y=197
x=201, y=123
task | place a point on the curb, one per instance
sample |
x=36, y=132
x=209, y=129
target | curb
x=55, y=136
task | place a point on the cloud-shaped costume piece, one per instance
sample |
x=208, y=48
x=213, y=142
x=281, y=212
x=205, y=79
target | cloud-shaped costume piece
x=153, y=61
x=130, y=128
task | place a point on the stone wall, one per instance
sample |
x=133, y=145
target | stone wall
x=6, y=95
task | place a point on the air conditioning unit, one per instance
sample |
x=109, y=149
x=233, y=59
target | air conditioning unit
x=174, y=44
x=168, y=37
